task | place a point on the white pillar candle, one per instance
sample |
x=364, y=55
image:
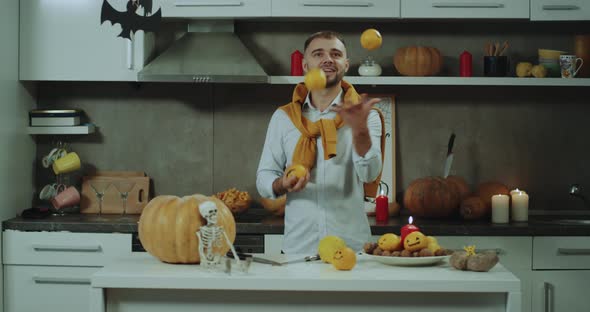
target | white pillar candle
x=515, y=191
x=520, y=206
x=500, y=208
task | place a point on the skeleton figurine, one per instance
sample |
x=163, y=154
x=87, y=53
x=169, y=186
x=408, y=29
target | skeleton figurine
x=212, y=236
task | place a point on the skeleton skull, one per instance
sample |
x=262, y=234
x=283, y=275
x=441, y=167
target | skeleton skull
x=208, y=210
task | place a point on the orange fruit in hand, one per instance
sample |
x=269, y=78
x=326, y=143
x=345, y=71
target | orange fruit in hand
x=296, y=170
x=315, y=79
x=344, y=259
x=371, y=39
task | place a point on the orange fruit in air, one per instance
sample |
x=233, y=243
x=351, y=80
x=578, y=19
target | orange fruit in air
x=344, y=259
x=296, y=170
x=315, y=79
x=371, y=39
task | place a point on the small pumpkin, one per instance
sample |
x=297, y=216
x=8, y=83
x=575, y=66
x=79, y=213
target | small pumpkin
x=486, y=190
x=432, y=197
x=418, y=61
x=473, y=208
x=168, y=225
x=275, y=206
x=389, y=242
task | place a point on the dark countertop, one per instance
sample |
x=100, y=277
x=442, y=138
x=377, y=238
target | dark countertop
x=259, y=223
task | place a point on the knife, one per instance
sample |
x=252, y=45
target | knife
x=304, y=259
x=243, y=256
x=449, y=161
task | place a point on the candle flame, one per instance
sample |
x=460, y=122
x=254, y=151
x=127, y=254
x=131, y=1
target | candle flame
x=410, y=220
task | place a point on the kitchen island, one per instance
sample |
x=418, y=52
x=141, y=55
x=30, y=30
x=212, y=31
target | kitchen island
x=143, y=283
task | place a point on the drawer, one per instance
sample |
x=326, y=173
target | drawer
x=336, y=8
x=571, y=253
x=560, y=10
x=465, y=9
x=63, y=248
x=42, y=288
x=215, y=8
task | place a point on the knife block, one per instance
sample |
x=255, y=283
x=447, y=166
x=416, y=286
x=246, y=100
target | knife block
x=112, y=202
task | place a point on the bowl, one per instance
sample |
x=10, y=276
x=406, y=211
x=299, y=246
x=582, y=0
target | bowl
x=552, y=66
x=550, y=54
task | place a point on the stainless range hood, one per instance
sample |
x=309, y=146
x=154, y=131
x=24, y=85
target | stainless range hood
x=208, y=52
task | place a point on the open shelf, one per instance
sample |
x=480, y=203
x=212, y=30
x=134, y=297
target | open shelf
x=449, y=81
x=66, y=130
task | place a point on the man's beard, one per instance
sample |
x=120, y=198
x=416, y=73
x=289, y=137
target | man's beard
x=335, y=81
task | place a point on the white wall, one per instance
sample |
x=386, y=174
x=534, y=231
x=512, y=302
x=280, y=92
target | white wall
x=17, y=148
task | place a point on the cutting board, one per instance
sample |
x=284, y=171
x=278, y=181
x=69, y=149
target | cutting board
x=112, y=202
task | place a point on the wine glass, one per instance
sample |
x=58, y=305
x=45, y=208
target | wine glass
x=99, y=187
x=124, y=187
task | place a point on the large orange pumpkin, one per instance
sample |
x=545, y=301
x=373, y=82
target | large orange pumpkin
x=432, y=197
x=418, y=61
x=462, y=186
x=168, y=226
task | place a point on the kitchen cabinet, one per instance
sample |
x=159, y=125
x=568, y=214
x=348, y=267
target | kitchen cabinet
x=465, y=9
x=560, y=10
x=64, y=40
x=216, y=8
x=51, y=271
x=561, y=274
x=336, y=9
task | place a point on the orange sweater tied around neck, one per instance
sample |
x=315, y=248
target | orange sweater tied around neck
x=306, y=148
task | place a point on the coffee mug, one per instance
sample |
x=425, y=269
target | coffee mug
x=55, y=154
x=70, y=162
x=567, y=63
x=69, y=197
x=495, y=66
x=50, y=190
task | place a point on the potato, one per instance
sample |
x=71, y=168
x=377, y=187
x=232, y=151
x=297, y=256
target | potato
x=396, y=253
x=377, y=251
x=386, y=253
x=459, y=260
x=482, y=262
x=426, y=253
x=405, y=253
x=369, y=247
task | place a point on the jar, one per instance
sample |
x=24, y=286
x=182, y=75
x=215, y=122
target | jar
x=369, y=68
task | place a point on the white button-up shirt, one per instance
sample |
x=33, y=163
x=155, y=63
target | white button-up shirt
x=332, y=202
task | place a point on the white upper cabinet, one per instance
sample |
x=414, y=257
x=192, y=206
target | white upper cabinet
x=216, y=8
x=560, y=10
x=64, y=40
x=336, y=8
x=465, y=9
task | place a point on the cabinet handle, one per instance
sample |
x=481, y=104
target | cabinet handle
x=466, y=5
x=208, y=3
x=338, y=4
x=130, y=54
x=547, y=288
x=573, y=251
x=61, y=280
x=93, y=248
x=560, y=7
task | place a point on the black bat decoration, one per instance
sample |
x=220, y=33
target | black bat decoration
x=130, y=21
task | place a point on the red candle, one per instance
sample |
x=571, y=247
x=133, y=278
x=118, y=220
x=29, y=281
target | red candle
x=465, y=63
x=408, y=228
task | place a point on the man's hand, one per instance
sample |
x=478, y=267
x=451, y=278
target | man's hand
x=356, y=115
x=290, y=184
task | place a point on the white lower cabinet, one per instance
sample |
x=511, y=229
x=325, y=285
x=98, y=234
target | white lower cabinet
x=561, y=291
x=561, y=276
x=51, y=271
x=47, y=288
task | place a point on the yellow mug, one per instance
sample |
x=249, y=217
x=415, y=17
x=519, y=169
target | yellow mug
x=68, y=163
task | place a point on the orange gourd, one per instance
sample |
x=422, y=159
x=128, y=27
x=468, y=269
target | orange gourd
x=486, y=190
x=418, y=61
x=432, y=197
x=168, y=226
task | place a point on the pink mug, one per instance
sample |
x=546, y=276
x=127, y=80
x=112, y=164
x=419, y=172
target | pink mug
x=69, y=197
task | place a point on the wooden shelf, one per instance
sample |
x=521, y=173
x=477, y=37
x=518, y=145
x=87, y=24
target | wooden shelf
x=54, y=130
x=449, y=81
